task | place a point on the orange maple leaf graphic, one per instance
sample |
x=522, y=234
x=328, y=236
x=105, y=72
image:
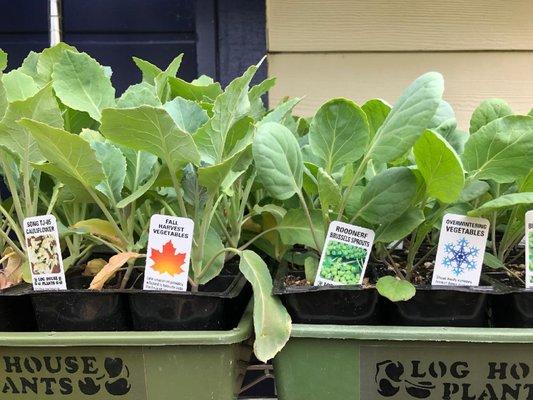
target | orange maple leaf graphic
x=167, y=260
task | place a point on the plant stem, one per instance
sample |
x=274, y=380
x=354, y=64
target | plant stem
x=108, y=215
x=13, y=190
x=11, y=244
x=13, y=224
x=356, y=178
x=177, y=188
x=310, y=221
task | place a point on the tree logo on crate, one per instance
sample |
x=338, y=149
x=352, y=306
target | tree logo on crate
x=64, y=375
x=451, y=380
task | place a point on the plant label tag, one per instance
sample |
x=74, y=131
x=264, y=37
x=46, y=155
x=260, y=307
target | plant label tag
x=462, y=243
x=169, y=253
x=44, y=253
x=529, y=249
x=345, y=255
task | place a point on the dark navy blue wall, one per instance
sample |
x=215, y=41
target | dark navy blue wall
x=219, y=37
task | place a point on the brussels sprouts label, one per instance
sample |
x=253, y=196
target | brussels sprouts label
x=44, y=253
x=169, y=253
x=345, y=255
x=529, y=249
x=460, y=253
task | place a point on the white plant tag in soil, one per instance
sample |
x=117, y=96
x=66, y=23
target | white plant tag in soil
x=529, y=249
x=44, y=253
x=345, y=255
x=169, y=253
x=462, y=243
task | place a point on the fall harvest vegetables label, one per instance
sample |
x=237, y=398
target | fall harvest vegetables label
x=345, y=255
x=44, y=253
x=169, y=253
x=462, y=243
x=529, y=249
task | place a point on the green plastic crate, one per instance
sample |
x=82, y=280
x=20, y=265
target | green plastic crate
x=125, y=365
x=334, y=362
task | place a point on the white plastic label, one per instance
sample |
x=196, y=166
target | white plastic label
x=169, y=253
x=529, y=249
x=44, y=253
x=462, y=243
x=345, y=255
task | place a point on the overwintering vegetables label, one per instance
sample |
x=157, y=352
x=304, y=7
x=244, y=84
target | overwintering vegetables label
x=345, y=255
x=529, y=249
x=44, y=253
x=460, y=253
x=169, y=253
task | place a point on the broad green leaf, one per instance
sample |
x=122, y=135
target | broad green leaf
x=444, y=114
x=41, y=107
x=3, y=60
x=257, y=108
x=139, y=190
x=502, y=150
x=3, y=101
x=114, y=166
x=281, y=111
x=339, y=133
x=174, y=66
x=18, y=86
x=278, y=160
x=272, y=323
x=311, y=269
x=456, y=138
x=139, y=167
x=187, y=115
x=400, y=227
x=294, y=228
x=353, y=204
x=440, y=166
x=29, y=67
x=99, y=227
x=239, y=136
x=141, y=94
x=81, y=84
x=229, y=107
x=488, y=111
x=190, y=91
x=473, y=190
x=329, y=192
x=213, y=245
x=492, y=261
x=149, y=71
x=503, y=202
x=153, y=130
x=212, y=176
x=409, y=117
x=376, y=111
x=49, y=57
x=395, y=289
x=388, y=195
x=73, y=190
x=276, y=211
x=66, y=151
x=75, y=121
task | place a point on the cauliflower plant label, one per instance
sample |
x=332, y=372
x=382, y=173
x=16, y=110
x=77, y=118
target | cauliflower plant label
x=169, y=253
x=462, y=243
x=44, y=253
x=529, y=249
x=345, y=255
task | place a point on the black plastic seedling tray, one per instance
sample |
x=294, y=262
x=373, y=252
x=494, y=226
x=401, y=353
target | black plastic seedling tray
x=16, y=312
x=441, y=306
x=513, y=310
x=79, y=309
x=218, y=305
x=340, y=305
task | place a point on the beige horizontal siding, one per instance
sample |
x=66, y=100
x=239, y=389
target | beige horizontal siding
x=399, y=25
x=470, y=77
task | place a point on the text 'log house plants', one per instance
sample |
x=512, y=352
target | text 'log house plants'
x=104, y=165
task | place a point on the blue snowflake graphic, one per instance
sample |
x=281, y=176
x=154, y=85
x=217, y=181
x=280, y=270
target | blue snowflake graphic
x=460, y=256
